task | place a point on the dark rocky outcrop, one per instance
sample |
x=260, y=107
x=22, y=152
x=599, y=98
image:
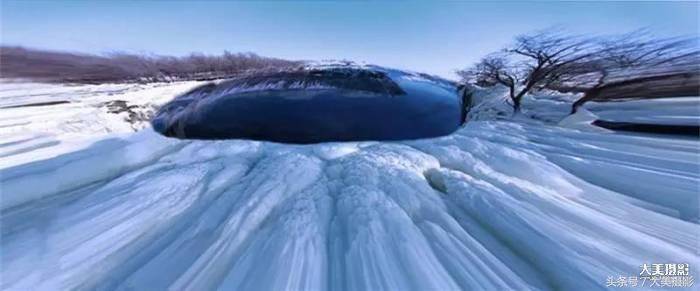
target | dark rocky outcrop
x=689, y=130
x=135, y=114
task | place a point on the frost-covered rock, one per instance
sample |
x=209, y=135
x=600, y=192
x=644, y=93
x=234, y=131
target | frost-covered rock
x=137, y=115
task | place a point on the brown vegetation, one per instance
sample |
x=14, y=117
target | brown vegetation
x=63, y=67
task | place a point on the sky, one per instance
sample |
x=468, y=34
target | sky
x=432, y=37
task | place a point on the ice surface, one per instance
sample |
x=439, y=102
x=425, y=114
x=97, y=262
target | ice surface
x=497, y=205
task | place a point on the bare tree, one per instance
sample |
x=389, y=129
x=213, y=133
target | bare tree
x=534, y=61
x=639, y=65
x=555, y=60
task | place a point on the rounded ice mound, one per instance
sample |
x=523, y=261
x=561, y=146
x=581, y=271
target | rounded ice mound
x=313, y=104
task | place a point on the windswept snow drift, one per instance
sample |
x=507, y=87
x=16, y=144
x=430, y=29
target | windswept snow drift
x=495, y=206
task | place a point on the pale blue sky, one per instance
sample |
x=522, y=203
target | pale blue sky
x=433, y=37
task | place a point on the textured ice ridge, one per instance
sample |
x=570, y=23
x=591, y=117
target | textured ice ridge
x=495, y=206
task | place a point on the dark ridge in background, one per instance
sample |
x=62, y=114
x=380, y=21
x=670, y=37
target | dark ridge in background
x=689, y=130
x=63, y=67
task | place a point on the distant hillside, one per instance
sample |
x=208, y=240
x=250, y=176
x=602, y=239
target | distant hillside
x=64, y=67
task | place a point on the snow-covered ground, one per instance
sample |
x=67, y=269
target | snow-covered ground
x=34, y=132
x=497, y=205
x=552, y=108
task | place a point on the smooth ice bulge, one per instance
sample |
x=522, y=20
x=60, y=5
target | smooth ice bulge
x=316, y=104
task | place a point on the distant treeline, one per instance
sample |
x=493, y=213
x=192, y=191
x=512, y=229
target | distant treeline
x=64, y=67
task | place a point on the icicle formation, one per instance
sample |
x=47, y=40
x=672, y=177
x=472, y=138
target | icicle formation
x=320, y=103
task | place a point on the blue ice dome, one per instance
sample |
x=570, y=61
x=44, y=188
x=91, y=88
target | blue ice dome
x=311, y=104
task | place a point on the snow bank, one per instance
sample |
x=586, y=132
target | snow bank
x=582, y=120
x=550, y=107
x=32, y=133
x=543, y=107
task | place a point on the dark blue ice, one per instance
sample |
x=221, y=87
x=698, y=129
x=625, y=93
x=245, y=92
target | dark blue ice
x=310, y=105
